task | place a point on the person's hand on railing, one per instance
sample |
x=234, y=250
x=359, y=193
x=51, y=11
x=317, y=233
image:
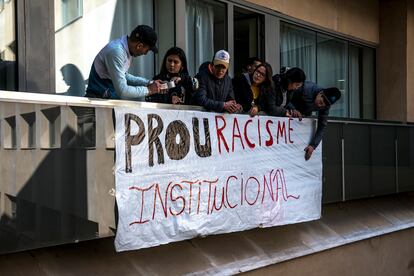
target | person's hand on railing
x=254, y=111
x=294, y=114
x=176, y=100
x=231, y=106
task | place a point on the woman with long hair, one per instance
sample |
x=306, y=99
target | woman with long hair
x=285, y=83
x=174, y=69
x=252, y=89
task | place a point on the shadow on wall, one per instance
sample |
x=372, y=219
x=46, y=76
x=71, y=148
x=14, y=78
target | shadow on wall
x=51, y=207
x=72, y=76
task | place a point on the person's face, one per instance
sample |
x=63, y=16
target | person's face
x=173, y=64
x=259, y=75
x=219, y=71
x=141, y=49
x=252, y=67
x=294, y=85
x=319, y=101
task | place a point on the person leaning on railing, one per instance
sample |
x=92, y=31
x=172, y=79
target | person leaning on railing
x=215, y=90
x=178, y=83
x=109, y=77
x=253, y=89
x=285, y=84
x=313, y=98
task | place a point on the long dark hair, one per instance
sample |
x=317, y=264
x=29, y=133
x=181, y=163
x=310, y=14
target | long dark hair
x=291, y=75
x=177, y=51
x=267, y=84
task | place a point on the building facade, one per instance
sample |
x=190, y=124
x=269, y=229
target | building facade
x=348, y=45
x=64, y=145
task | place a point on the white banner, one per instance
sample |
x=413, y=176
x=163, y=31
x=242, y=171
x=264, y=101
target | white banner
x=182, y=174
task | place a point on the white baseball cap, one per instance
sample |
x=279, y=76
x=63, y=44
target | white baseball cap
x=222, y=57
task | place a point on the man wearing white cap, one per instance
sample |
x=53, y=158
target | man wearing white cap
x=215, y=86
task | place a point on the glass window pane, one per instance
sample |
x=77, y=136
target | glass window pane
x=102, y=21
x=332, y=70
x=66, y=11
x=248, y=36
x=298, y=49
x=8, y=69
x=361, y=82
x=205, y=31
x=355, y=81
x=368, y=83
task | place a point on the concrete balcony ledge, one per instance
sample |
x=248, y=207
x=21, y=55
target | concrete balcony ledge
x=57, y=187
x=341, y=224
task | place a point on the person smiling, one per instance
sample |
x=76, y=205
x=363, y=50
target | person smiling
x=252, y=89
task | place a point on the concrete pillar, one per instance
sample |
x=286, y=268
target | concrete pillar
x=410, y=61
x=392, y=60
x=395, y=97
x=36, y=47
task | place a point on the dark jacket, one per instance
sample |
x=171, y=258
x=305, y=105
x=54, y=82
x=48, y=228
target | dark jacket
x=274, y=100
x=244, y=94
x=303, y=100
x=183, y=89
x=212, y=92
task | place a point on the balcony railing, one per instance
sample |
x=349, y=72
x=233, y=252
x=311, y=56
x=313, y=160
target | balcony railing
x=57, y=159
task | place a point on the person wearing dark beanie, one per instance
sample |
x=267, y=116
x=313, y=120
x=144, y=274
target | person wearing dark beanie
x=313, y=98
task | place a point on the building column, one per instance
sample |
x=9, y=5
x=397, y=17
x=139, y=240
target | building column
x=410, y=61
x=395, y=97
x=36, y=45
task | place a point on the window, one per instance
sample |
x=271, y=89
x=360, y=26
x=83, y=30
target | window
x=66, y=11
x=8, y=70
x=361, y=82
x=101, y=22
x=248, y=36
x=205, y=31
x=331, y=62
x=298, y=49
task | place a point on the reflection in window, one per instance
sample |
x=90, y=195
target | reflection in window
x=361, y=82
x=66, y=11
x=332, y=70
x=205, y=31
x=333, y=62
x=8, y=71
x=298, y=49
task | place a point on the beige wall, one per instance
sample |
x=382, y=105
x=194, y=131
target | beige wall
x=356, y=18
x=390, y=254
x=392, y=61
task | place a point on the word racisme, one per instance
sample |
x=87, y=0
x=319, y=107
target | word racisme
x=275, y=131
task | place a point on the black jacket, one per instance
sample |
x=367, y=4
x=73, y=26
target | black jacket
x=244, y=94
x=304, y=101
x=183, y=89
x=212, y=92
x=275, y=99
